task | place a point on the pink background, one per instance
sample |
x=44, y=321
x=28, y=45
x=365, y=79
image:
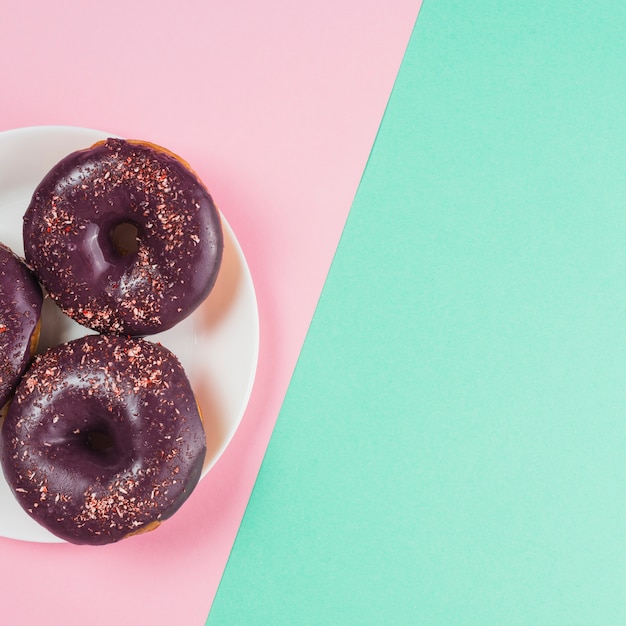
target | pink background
x=276, y=105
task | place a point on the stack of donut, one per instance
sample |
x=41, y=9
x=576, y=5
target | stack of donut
x=102, y=437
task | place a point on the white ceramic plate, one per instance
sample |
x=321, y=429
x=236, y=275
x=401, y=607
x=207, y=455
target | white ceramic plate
x=218, y=344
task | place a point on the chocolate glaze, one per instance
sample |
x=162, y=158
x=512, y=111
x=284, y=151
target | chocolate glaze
x=69, y=238
x=103, y=438
x=20, y=310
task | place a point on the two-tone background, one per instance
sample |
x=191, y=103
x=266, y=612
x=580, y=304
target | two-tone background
x=450, y=449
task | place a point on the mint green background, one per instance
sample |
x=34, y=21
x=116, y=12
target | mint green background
x=452, y=448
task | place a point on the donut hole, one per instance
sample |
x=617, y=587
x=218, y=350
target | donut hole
x=125, y=238
x=100, y=442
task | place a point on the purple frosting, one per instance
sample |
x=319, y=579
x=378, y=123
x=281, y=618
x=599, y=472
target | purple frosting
x=71, y=238
x=103, y=438
x=20, y=310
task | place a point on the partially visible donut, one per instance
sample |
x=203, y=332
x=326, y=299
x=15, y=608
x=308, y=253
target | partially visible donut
x=124, y=237
x=103, y=439
x=20, y=313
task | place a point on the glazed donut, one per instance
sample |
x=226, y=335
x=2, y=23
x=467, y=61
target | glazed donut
x=20, y=312
x=103, y=439
x=124, y=237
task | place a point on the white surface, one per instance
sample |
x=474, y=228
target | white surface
x=218, y=344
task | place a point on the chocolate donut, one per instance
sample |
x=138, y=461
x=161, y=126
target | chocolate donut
x=103, y=439
x=20, y=311
x=124, y=237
